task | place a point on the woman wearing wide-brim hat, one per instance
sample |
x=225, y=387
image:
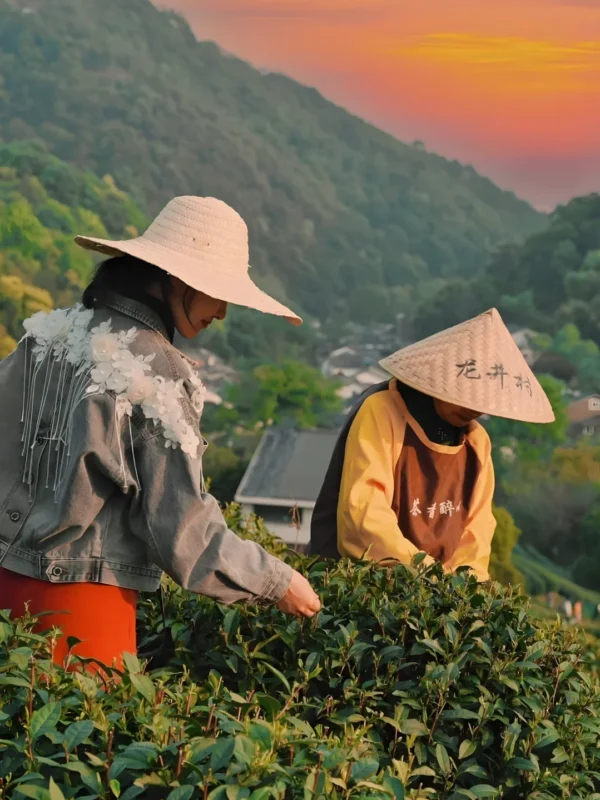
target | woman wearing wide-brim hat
x=412, y=470
x=101, y=488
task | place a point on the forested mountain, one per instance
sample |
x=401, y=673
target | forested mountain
x=342, y=216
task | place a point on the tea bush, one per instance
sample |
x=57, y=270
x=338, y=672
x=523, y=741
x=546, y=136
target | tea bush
x=409, y=684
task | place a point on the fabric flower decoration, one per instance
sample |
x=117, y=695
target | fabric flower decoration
x=104, y=346
x=106, y=358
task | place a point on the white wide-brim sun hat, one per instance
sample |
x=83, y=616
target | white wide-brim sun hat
x=475, y=365
x=203, y=242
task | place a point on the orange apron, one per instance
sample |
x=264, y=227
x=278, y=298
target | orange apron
x=102, y=616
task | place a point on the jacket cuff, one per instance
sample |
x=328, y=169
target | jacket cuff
x=279, y=581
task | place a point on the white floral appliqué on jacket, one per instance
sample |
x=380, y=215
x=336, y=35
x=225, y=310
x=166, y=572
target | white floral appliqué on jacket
x=94, y=361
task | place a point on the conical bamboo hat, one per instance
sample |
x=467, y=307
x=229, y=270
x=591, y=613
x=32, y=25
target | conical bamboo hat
x=475, y=365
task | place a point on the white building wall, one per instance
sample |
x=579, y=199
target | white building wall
x=286, y=532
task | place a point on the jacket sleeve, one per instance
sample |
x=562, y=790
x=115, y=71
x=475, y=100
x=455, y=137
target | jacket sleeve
x=187, y=534
x=366, y=518
x=475, y=546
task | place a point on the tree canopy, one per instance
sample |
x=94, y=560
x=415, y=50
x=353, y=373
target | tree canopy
x=289, y=392
x=44, y=203
x=549, y=282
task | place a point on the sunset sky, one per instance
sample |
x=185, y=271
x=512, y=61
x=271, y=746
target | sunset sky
x=511, y=86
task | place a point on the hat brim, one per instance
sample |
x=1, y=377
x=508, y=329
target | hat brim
x=238, y=290
x=544, y=417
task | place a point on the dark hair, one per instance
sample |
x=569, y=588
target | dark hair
x=132, y=278
x=126, y=275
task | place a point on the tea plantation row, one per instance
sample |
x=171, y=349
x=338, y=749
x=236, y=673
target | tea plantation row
x=409, y=684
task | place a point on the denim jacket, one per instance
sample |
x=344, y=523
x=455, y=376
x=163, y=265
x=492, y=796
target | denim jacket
x=101, y=462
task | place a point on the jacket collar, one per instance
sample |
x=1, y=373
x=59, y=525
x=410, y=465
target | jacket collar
x=145, y=315
x=136, y=310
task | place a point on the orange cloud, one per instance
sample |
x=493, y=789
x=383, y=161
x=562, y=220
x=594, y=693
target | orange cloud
x=513, y=64
x=494, y=50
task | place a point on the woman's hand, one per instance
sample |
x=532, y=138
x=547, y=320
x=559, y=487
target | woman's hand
x=300, y=599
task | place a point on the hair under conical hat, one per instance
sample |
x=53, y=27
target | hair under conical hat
x=475, y=365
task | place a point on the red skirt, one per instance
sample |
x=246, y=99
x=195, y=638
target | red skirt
x=101, y=616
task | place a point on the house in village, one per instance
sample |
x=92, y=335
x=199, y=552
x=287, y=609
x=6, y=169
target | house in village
x=284, y=478
x=584, y=416
x=347, y=361
x=525, y=339
x=215, y=373
x=355, y=368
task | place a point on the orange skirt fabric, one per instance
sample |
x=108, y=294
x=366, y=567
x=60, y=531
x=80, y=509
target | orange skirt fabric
x=101, y=616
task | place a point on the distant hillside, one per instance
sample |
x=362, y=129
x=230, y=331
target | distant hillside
x=550, y=281
x=43, y=204
x=341, y=214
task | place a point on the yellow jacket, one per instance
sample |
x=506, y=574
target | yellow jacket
x=387, y=453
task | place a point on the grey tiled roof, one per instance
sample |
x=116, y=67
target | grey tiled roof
x=289, y=465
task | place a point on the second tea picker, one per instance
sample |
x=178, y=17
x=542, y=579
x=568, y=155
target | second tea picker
x=412, y=469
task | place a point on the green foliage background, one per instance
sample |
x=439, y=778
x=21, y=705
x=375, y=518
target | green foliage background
x=44, y=203
x=551, y=281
